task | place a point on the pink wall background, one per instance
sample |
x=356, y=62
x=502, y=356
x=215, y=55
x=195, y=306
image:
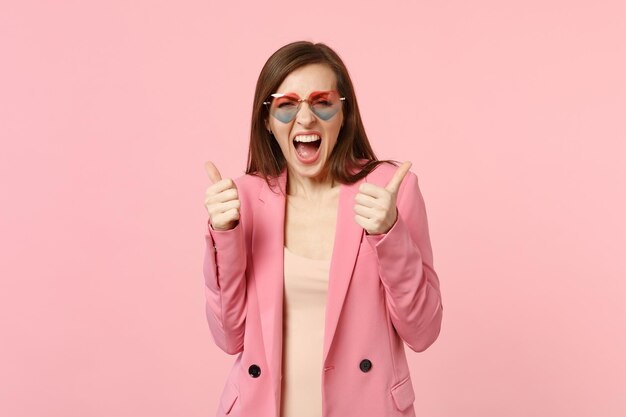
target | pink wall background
x=511, y=112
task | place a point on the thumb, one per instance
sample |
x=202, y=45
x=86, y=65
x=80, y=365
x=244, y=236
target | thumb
x=211, y=170
x=398, y=176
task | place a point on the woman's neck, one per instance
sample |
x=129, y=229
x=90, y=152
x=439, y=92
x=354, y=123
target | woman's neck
x=314, y=189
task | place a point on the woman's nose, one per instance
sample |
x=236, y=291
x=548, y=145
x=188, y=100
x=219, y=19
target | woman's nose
x=305, y=115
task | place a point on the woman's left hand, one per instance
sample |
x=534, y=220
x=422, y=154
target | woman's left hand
x=375, y=206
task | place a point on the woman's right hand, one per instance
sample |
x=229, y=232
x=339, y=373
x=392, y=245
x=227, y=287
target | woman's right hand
x=221, y=200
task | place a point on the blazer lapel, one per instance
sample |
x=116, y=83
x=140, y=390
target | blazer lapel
x=348, y=236
x=267, y=248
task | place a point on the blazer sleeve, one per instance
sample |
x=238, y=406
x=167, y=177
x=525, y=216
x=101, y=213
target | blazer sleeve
x=405, y=262
x=225, y=286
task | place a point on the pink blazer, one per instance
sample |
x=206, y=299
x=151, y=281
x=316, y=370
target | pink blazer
x=383, y=292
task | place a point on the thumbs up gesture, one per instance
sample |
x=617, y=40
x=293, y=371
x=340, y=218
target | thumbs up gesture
x=221, y=200
x=375, y=207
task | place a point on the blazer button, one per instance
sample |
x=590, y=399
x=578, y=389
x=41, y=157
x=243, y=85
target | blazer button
x=365, y=365
x=254, y=370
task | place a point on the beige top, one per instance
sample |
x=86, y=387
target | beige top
x=306, y=285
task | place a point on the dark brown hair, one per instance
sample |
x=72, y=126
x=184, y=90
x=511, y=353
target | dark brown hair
x=352, y=152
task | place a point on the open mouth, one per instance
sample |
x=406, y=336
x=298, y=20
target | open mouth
x=307, y=146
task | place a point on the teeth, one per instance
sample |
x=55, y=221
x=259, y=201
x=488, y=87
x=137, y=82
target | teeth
x=307, y=138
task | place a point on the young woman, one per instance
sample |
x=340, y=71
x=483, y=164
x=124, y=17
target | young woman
x=318, y=263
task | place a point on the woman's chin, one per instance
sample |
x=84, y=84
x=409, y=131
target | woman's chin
x=308, y=170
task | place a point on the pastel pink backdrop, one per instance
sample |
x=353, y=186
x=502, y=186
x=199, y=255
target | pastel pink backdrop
x=511, y=112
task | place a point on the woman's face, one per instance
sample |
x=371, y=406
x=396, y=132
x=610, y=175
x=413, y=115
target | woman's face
x=304, y=157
